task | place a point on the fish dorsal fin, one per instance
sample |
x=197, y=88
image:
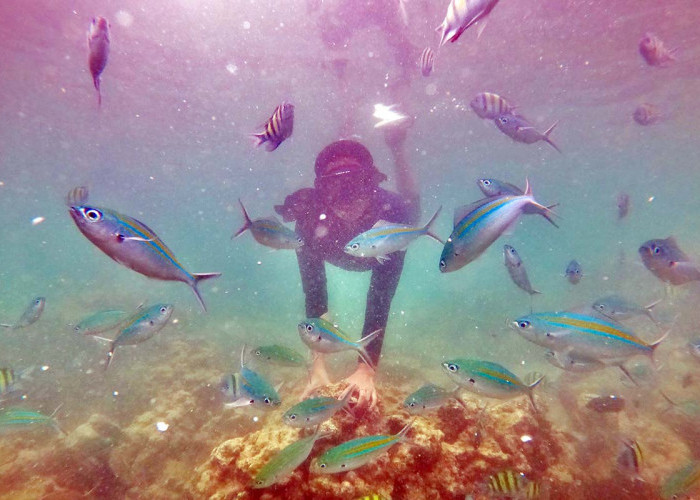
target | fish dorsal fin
x=381, y=223
x=671, y=240
x=464, y=210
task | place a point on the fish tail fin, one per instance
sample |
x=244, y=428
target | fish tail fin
x=272, y=145
x=258, y=138
x=401, y=435
x=428, y=227
x=201, y=277
x=5, y=325
x=546, y=136
x=362, y=344
x=530, y=392
x=77, y=196
x=246, y=225
x=649, y=311
x=545, y=211
x=110, y=355
x=96, y=82
x=656, y=344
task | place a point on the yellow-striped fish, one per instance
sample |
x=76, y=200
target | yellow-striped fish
x=278, y=128
x=511, y=484
x=427, y=61
x=7, y=380
x=630, y=459
x=490, y=106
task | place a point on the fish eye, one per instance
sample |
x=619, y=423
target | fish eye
x=442, y=264
x=293, y=416
x=486, y=182
x=267, y=401
x=323, y=466
x=163, y=309
x=548, y=334
x=472, y=381
x=342, y=466
x=523, y=324
x=257, y=352
x=259, y=482
x=452, y=367
x=93, y=215
x=656, y=249
x=354, y=246
x=412, y=404
x=503, y=119
x=300, y=240
x=252, y=401
x=309, y=328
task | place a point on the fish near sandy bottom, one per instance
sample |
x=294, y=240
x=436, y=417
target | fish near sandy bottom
x=321, y=335
x=30, y=315
x=314, y=411
x=130, y=243
x=668, y=262
x=430, y=397
x=19, y=419
x=479, y=224
x=98, y=51
x=520, y=129
x=269, y=232
x=249, y=388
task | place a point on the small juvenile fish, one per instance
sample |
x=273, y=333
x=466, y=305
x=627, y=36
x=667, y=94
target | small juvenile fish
x=143, y=325
x=269, y=232
x=30, y=315
x=321, y=335
x=9, y=380
x=630, y=458
x=314, y=411
x=573, y=272
x=619, y=309
x=694, y=347
x=684, y=481
x=100, y=322
x=516, y=269
x=98, y=51
x=356, y=453
x=430, y=397
x=18, y=419
x=511, y=484
x=610, y=403
x=488, y=379
x=249, y=388
x=385, y=238
x=130, y=243
x=279, y=355
x=654, y=52
x=667, y=261
x=494, y=187
x=623, y=205
x=520, y=129
x=285, y=461
x=491, y=106
x=461, y=15
x=646, y=114
x=573, y=363
x=426, y=61
x=278, y=128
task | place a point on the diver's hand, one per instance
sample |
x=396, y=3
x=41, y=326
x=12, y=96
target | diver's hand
x=362, y=383
x=318, y=376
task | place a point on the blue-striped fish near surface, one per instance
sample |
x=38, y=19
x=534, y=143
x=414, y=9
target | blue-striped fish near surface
x=510, y=484
x=516, y=269
x=488, y=379
x=668, y=262
x=385, y=238
x=285, y=461
x=269, y=232
x=585, y=336
x=130, y=243
x=278, y=128
x=140, y=327
x=356, y=452
x=478, y=225
x=19, y=419
x=430, y=397
x=314, y=411
x=98, y=51
x=426, y=62
x=30, y=315
x=490, y=106
x=321, y=335
x=461, y=15
x=101, y=321
x=249, y=388
x=654, y=52
x=520, y=129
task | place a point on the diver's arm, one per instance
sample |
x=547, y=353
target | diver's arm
x=406, y=185
x=313, y=280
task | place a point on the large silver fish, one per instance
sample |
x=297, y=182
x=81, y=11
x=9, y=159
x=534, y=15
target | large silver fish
x=461, y=15
x=30, y=315
x=520, y=129
x=618, y=308
x=668, y=262
x=517, y=270
x=98, y=51
x=130, y=243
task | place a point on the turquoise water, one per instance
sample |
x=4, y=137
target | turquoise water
x=186, y=83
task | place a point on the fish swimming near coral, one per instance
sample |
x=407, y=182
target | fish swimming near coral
x=269, y=232
x=10, y=381
x=668, y=262
x=278, y=355
x=430, y=397
x=630, y=458
x=654, y=52
x=249, y=388
x=98, y=51
x=426, y=61
x=461, y=15
x=321, y=335
x=520, y=129
x=131, y=243
x=571, y=362
x=314, y=411
x=516, y=269
x=30, y=315
x=278, y=127
x=19, y=419
x=510, y=484
x=490, y=106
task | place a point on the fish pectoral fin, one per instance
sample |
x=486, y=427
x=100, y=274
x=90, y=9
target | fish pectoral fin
x=382, y=258
x=238, y=403
x=121, y=237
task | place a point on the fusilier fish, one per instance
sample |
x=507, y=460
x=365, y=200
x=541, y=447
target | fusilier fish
x=285, y=461
x=98, y=51
x=278, y=355
x=494, y=187
x=566, y=360
x=314, y=411
x=430, y=397
x=19, y=419
x=278, y=128
x=101, y=321
x=30, y=315
x=618, y=308
x=385, y=238
x=356, y=453
x=646, y=114
x=490, y=106
x=520, y=129
x=488, y=379
x=321, y=335
x=516, y=269
x=131, y=243
x=426, y=61
x=143, y=325
x=668, y=262
x=573, y=272
x=461, y=15
x=249, y=388
x=478, y=225
x=654, y=52
x=269, y=232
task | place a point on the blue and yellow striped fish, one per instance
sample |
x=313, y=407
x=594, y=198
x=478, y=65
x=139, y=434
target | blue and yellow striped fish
x=131, y=243
x=19, y=419
x=426, y=61
x=584, y=336
x=249, y=388
x=278, y=128
x=314, y=411
x=321, y=335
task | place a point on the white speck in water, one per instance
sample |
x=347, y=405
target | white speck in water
x=246, y=25
x=322, y=217
x=651, y=198
x=38, y=220
x=525, y=438
x=259, y=262
x=162, y=426
x=232, y=68
x=45, y=368
x=124, y=18
x=176, y=321
x=115, y=393
x=255, y=419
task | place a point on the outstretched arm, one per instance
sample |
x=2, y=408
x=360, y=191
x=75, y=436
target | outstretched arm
x=313, y=281
x=406, y=185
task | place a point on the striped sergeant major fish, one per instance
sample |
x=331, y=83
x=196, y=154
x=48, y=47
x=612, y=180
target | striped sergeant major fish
x=278, y=128
x=321, y=335
x=269, y=232
x=510, y=484
x=130, y=243
x=478, y=225
x=98, y=51
x=30, y=315
x=654, y=52
x=584, y=336
x=249, y=388
x=490, y=106
x=385, y=238
x=488, y=379
x=356, y=452
x=9, y=381
x=461, y=15
x=426, y=61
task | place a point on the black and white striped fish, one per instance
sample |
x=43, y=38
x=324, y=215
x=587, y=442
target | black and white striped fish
x=427, y=61
x=278, y=128
x=490, y=106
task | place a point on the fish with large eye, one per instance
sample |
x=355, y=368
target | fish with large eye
x=668, y=262
x=131, y=243
x=520, y=129
x=573, y=272
x=654, y=52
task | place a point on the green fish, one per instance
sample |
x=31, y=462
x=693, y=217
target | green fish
x=249, y=388
x=19, y=419
x=100, y=322
x=279, y=355
x=30, y=315
x=684, y=481
x=314, y=411
x=430, y=397
x=321, y=335
x=356, y=452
